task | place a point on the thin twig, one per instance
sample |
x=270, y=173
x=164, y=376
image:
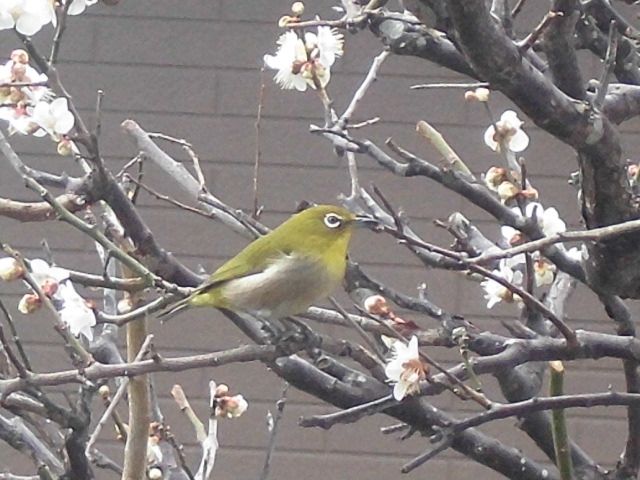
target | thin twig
x=370, y=343
x=122, y=388
x=274, y=422
x=465, y=86
x=258, y=154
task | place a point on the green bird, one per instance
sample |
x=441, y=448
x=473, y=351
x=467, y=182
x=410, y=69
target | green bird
x=284, y=272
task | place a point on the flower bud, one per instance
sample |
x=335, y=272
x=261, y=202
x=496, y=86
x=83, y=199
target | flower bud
x=377, y=305
x=507, y=190
x=154, y=473
x=297, y=9
x=482, y=94
x=104, y=391
x=65, y=147
x=20, y=56
x=29, y=303
x=221, y=390
x=478, y=95
x=494, y=177
x=10, y=269
x=231, y=407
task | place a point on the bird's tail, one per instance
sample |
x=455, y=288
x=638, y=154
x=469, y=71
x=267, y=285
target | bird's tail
x=175, y=309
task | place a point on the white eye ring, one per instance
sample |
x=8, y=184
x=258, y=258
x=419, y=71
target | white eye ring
x=332, y=220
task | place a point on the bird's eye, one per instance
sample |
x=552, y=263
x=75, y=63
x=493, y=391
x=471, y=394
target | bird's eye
x=332, y=220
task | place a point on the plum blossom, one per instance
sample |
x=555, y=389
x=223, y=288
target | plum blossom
x=301, y=63
x=79, y=6
x=405, y=368
x=576, y=253
x=495, y=292
x=71, y=307
x=507, y=133
x=53, y=118
x=16, y=101
x=27, y=16
x=548, y=219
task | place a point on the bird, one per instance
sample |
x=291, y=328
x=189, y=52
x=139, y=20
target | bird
x=283, y=272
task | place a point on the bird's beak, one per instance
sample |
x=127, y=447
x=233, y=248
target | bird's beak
x=365, y=221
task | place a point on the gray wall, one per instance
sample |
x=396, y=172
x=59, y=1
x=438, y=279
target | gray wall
x=190, y=69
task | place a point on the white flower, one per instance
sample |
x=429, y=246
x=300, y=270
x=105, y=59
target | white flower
x=27, y=16
x=53, y=118
x=19, y=121
x=41, y=271
x=575, y=253
x=75, y=312
x=10, y=269
x=289, y=58
x=231, y=406
x=549, y=220
x=71, y=307
x=496, y=292
x=305, y=63
x=507, y=132
x=511, y=235
x=405, y=368
x=79, y=6
x=329, y=43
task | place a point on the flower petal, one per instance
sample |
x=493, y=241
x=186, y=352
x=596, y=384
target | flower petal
x=519, y=141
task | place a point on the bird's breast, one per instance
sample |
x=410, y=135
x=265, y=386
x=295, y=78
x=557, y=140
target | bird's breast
x=288, y=286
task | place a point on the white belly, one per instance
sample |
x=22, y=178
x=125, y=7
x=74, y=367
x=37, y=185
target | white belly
x=287, y=287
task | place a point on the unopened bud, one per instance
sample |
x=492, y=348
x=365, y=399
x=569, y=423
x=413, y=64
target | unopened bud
x=494, y=177
x=104, y=391
x=477, y=95
x=154, y=473
x=65, y=147
x=29, y=303
x=221, y=390
x=10, y=269
x=297, y=9
x=20, y=56
x=507, y=190
x=376, y=305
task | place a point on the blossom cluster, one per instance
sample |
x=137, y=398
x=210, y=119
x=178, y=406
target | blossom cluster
x=510, y=269
x=28, y=105
x=305, y=61
x=28, y=17
x=56, y=285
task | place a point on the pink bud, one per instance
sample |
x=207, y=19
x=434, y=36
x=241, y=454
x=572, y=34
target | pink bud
x=29, y=303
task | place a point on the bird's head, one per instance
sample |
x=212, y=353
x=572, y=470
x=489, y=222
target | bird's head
x=323, y=227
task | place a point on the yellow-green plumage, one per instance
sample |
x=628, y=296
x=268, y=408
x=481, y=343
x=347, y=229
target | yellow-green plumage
x=285, y=271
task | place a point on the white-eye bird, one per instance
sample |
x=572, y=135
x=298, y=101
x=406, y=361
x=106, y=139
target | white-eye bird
x=284, y=272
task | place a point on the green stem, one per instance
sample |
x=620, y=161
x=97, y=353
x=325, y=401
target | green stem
x=559, y=424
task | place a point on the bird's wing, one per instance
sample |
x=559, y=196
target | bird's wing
x=254, y=258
